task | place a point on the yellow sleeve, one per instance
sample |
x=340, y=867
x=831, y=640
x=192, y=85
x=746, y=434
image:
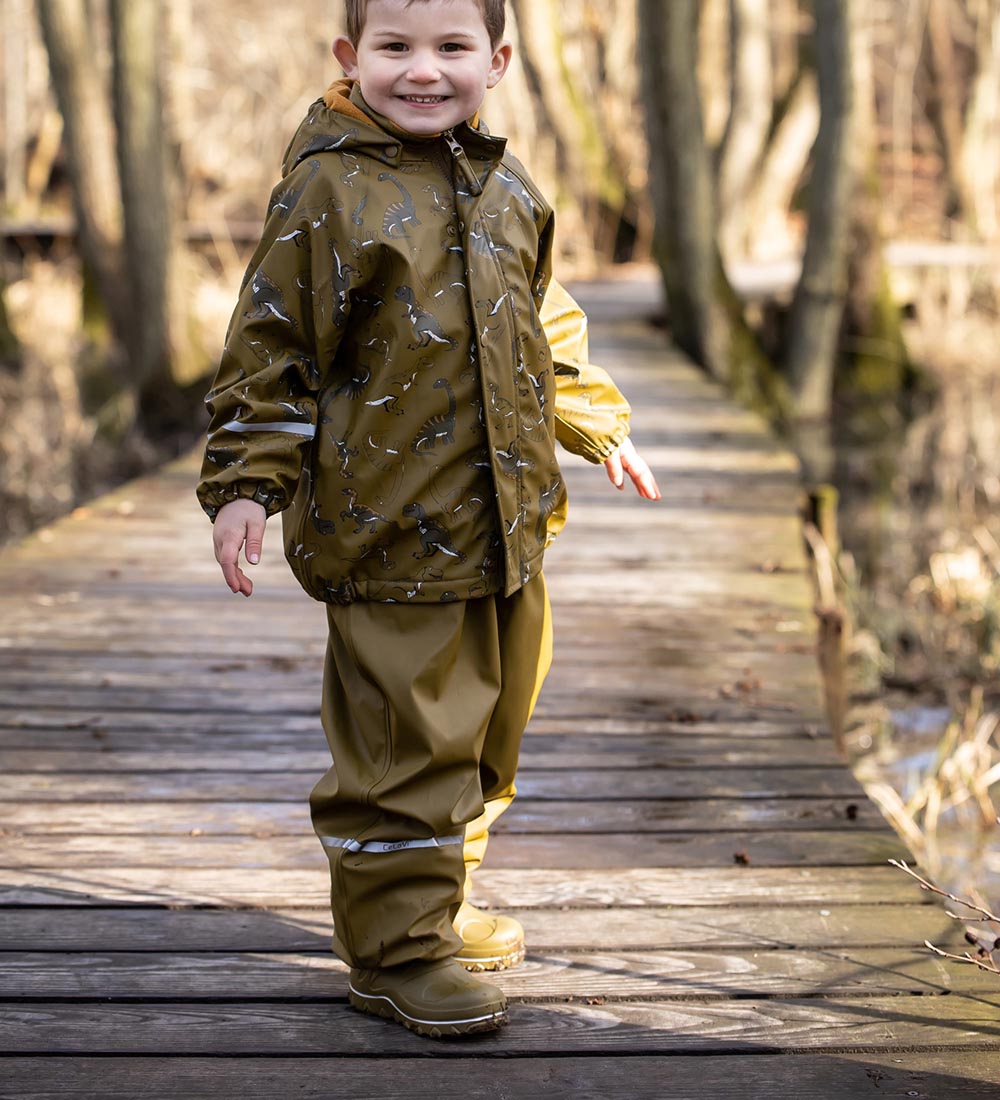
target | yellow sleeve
x=592, y=416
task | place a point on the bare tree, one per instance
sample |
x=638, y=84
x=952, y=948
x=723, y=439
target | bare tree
x=945, y=107
x=980, y=150
x=705, y=317
x=818, y=306
x=82, y=101
x=746, y=134
x=782, y=167
x=875, y=363
x=155, y=335
x=124, y=195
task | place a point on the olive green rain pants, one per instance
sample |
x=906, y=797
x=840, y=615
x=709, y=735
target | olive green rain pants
x=423, y=707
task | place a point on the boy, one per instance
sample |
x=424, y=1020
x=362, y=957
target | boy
x=388, y=385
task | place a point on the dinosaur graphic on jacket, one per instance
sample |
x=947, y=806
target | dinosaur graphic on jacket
x=268, y=300
x=426, y=327
x=361, y=514
x=398, y=214
x=288, y=199
x=439, y=428
x=433, y=537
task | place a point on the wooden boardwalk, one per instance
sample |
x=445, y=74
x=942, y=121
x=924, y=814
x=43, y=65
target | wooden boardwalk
x=703, y=883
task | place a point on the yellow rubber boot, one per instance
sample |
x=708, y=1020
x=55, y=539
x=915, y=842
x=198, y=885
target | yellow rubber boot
x=436, y=999
x=490, y=941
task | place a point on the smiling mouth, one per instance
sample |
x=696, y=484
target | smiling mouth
x=425, y=100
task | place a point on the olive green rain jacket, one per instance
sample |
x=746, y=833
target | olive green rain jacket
x=392, y=381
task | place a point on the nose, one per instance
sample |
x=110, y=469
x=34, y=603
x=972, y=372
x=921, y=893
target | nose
x=424, y=68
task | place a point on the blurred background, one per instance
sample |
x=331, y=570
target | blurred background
x=814, y=184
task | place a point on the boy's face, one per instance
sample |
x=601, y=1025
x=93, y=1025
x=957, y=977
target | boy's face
x=424, y=66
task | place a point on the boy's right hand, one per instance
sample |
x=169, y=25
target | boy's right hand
x=238, y=522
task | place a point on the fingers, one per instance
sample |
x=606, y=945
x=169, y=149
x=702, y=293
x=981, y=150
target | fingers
x=227, y=552
x=628, y=460
x=238, y=522
x=255, y=539
x=613, y=464
x=642, y=476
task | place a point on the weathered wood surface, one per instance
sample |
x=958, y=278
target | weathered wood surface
x=475, y=1076
x=697, y=872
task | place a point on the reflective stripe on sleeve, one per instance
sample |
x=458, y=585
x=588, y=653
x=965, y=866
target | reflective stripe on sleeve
x=388, y=845
x=280, y=426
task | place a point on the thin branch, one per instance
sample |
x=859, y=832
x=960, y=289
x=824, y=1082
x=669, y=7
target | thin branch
x=987, y=915
x=990, y=967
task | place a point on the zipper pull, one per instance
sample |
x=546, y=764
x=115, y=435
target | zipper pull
x=463, y=162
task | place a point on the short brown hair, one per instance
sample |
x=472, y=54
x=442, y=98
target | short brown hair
x=494, y=16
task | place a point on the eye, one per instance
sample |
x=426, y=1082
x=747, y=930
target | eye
x=452, y=47
x=395, y=47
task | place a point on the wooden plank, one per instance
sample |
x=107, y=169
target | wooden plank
x=263, y=750
x=585, y=784
x=647, y=928
x=634, y=694
x=471, y=1071
x=698, y=886
x=302, y=727
x=836, y=1024
x=716, y=848
x=766, y=847
x=662, y=975
x=26, y=819
x=209, y=677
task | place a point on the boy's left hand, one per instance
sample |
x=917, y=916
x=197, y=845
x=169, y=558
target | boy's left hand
x=627, y=460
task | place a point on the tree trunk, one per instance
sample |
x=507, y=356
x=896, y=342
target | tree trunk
x=705, y=316
x=981, y=143
x=581, y=153
x=746, y=133
x=715, y=72
x=877, y=364
x=15, y=33
x=770, y=199
x=83, y=105
x=151, y=241
x=906, y=57
x=944, y=107
x=818, y=306
x=681, y=178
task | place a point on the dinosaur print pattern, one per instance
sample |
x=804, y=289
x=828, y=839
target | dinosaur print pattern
x=388, y=328
x=426, y=327
x=362, y=516
x=268, y=301
x=433, y=537
x=548, y=501
x=399, y=215
x=439, y=428
x=341, y=279
x=394, y=389
x=288, y=199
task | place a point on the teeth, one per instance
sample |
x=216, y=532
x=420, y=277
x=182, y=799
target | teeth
x=425, y=98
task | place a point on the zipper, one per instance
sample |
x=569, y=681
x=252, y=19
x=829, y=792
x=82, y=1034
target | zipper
x=463, y=162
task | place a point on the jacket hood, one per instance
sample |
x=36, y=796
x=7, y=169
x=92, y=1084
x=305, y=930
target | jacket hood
x=341, y=121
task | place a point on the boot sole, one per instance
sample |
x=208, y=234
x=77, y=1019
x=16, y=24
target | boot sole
x=492, y=962
x=379, y=1005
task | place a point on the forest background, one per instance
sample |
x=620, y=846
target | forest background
x=816, y=180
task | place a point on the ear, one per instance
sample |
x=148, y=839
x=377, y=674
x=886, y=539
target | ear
x=498, y=66
x=347, y=55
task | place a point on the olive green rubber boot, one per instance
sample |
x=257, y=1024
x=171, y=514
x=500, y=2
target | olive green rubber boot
x=436, y=999
x=489, y=941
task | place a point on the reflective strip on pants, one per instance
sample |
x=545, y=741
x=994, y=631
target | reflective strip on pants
x=388, y=845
